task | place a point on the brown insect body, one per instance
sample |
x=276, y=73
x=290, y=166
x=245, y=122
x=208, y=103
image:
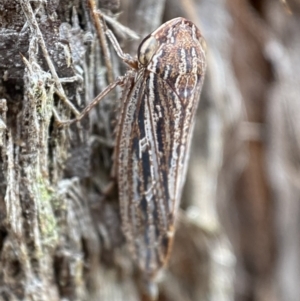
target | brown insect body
x=153, y=138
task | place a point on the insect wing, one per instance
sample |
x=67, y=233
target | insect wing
x=154, y=141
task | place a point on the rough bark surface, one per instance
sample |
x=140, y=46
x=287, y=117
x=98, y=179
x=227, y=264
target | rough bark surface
x=237, y=234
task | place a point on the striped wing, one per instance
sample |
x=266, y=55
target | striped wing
x=153, y=146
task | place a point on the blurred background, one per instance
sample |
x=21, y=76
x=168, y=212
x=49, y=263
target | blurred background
x=238, y=231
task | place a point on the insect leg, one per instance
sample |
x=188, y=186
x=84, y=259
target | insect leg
x=96, y=100
x=127, y=58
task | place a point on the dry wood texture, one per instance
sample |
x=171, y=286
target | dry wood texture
x=60, y=234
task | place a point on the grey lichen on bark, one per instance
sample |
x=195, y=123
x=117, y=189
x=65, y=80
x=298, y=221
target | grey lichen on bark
x=47, y=236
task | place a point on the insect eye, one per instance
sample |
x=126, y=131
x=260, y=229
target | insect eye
x=146, y=49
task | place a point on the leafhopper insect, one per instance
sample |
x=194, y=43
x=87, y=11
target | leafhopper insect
x=161, y=91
